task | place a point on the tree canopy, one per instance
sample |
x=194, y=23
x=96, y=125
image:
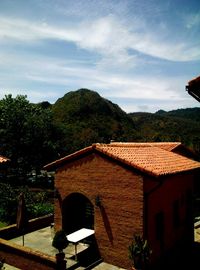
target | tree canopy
x=27, y=134
x=32, y=135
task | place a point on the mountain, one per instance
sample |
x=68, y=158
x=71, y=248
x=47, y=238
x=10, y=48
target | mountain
x=189, y=113
x=86, y=118
x=178, y=125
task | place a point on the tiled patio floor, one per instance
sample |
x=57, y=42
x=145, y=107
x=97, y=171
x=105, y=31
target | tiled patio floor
x=41, y=240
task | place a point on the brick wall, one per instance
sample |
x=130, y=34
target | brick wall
x=25, y=258
x=161, y=197
x=121, y=193
x=11, y=231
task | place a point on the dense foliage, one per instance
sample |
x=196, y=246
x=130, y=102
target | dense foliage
x=32, y=135
x=28, y=136
x=88, y=118
x=60, y=240
x=37, y=203
x=179, y=125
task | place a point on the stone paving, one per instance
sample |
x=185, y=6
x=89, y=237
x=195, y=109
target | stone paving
x=197, y=232
x=41, y=240
x=10, y=267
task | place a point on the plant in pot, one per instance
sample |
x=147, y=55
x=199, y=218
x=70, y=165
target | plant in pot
x=2, y=261
x=139, y=253
x=60, y=242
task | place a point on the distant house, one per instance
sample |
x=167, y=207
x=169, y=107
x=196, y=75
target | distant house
x=120, y=189
x=193, y=88
x=3, y=159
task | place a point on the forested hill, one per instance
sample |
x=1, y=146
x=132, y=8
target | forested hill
x=177, y=125
x=189, y=113
x=34, y=134
x=86, y=117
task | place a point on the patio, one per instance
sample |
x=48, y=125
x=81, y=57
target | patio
x=41, y=240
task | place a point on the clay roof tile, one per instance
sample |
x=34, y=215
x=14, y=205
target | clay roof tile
x=149, y=158
x=157, y=159
x=3, y=159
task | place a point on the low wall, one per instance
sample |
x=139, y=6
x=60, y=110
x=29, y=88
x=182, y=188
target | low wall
x=11, y=231
x=24, y=257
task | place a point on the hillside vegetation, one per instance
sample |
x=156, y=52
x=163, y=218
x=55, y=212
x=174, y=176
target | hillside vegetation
x=179, y=125
x=87, y=118
x=33, y=135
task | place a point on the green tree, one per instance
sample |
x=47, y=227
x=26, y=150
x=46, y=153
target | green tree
x=27, y=134
x=37, y=203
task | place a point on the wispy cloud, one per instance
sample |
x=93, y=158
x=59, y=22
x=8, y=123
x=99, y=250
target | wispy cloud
x=106, y=36
x=62, y=73
x=134, y=52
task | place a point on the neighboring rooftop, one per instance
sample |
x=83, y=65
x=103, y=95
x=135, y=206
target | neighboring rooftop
x=156, y=159
x=3, y=159
x=193, y=88
x=169, y=146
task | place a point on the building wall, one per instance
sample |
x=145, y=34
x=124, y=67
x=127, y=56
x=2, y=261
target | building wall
x=163, y=197
x=25, y=258
x=121, y=194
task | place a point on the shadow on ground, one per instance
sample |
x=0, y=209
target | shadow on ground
x=181, y=259
x=89, y=257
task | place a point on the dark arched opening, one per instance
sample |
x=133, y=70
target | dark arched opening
x=77, y=213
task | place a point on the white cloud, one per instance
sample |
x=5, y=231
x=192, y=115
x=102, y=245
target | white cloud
x=107, y=36
x=120, y=41
x=153, y=92
x=65, y=74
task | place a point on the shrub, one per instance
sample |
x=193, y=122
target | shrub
x=139, y=252
x=60, y=241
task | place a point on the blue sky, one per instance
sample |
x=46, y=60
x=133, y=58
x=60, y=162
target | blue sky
x=139, y=54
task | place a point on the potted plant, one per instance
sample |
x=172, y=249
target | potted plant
x=60, y=242
x=2, y=261
x=139, y=253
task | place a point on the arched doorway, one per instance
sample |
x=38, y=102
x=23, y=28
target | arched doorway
x=77, y=213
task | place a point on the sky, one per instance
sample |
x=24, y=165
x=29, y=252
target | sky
x=139, y=54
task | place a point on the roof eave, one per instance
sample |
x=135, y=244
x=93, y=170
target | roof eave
x=59, y=162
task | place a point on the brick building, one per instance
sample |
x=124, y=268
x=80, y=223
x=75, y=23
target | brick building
x=120, y=189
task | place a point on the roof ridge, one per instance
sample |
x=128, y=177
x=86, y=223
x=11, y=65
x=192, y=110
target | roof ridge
x=138, y=144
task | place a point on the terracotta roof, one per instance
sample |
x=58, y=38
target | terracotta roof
x=57, y=162
x=169, y=146
x=3, y=159
x=152, y=158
